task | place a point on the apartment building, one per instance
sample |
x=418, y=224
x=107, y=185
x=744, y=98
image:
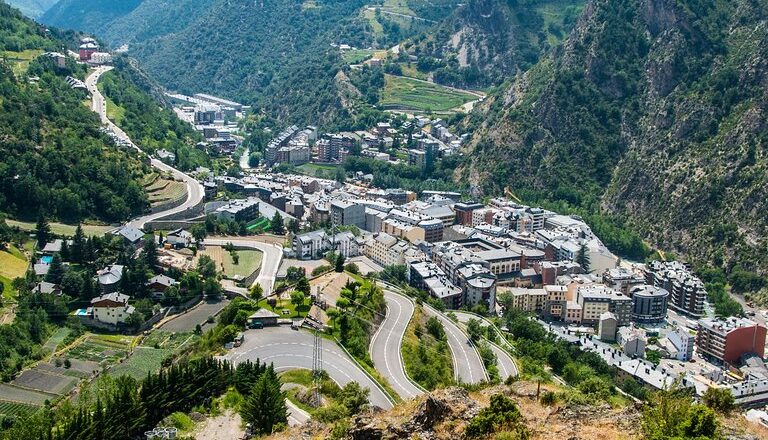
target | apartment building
x=649, y=304
x=429, y=277
x=526, y=300
x=727, y=340
x=687, y=293
x=347, y=213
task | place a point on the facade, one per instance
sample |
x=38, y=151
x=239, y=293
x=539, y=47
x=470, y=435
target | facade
x=179, y=238
x=429, y=277
x=526, y=300
x=314, y=245
x=632, y=341
x=239, y=210
x=158, y=284
x=687, y=294
x=683, y=341
x=346, y=213
x=478, y=284
x=727, y=340
x=649, y=304
x=112, y=308
x=606, y=329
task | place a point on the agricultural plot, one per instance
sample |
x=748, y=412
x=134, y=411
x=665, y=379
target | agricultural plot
x=77, y=368
x=167, y=340
x=16, y=409
x=411, y=94
x=103, y=349
x=56, y=339
x=13, y=393
x=163, y=191
x=11, y=266
x=249, y=261
x=142, y=361
x=40, y=380
x=356, y=56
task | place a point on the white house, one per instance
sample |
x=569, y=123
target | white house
x=112, y=308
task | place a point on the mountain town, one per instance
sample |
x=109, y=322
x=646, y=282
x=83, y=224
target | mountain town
x=404, y=219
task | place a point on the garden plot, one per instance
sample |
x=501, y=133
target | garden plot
x=103, y=350
x=78, y=368
x=142, y=361
x=13, y=393
x=16, y=409
x=40, y=380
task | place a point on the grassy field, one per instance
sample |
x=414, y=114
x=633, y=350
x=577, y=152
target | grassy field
x=20, y=60
x=62, y=229
x=259, y=225
x=317, y=170
x=427, y=360
x=115, y=113
x=250, y=261
x=356, y=56
x=410, y=94
x=286, y=309
x=11, y=266
x=163, y=190
x=410, y=70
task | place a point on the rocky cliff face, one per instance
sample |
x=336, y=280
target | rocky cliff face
x=653, y=110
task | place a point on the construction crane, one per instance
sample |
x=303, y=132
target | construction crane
x=511, y=195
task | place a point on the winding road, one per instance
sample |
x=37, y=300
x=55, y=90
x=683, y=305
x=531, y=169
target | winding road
x=270, y=262
x=504, y=361
x=467, y=365
x=385, y=348
x=289, y=349
x=195, y=191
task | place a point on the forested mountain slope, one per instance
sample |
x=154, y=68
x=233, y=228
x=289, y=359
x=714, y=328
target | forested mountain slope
x=91, y=16
x=484, y=42
x=55, y=159
x=32, y=8
x=653, y=111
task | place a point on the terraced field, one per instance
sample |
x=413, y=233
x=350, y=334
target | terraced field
x=142, y=361
x=16, y=409
x=13, y=393
x=163, y=190
x=40, y=380
x=411, y=94
x=105, y=350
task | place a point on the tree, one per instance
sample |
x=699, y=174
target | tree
x=77, y=253
x=206, y=267
x=56, y=270
x=257, y=292
x=149, y=252
x=264, y=408
x=671, y=413
x=254, y=159
x=354, y=397
x=501, y=415
x=42, y=231
x=582, y=258
x=297, y=299
x=340, y=263
x=199, y=232
x=719, y=399
x=303, y=286
x=276, y=224
x=293, y=226
x=474, y=329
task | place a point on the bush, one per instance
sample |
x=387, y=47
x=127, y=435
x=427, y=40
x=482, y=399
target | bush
x=352, y=268
x=548, y=398
x=330, y=413
x=501, y=415
x=719, y=399
x=319, y=270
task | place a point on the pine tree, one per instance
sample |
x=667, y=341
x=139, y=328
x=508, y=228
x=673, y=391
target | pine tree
x=55, y=271
x=78, y=246
x=265, y=407
x=582, y=258
x=277, y=224
x=42, y=231
x=340, y=263
x=150, y=253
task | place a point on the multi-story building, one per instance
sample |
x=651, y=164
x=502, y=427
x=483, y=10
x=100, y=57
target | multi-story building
x=314, y=245
x=526, y=300
x=347, y=213
x=557, y=297
x=111, y=308
x=649, y=304
x=622, y=280
x=464, y=212
x=632, y=341
x=727, y=340
x=478, y=284
x=687, y=293
x=239, y=210
x=427, y=276
x=683, y=341
x=387, y=250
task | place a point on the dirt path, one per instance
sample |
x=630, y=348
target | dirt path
x=223, y=427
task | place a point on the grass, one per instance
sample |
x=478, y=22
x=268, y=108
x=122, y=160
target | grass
x=115, y=113
x=12, y=266
x=427, y=361
x=408, y=93
x=356, y=56
x=301, y=377
x=62, y=229
x=20, y=60
x=318, y=170
x=259, y=225
x=250, y=261
x=8, y=292
x=411, y=71
x=163, y=191
x=287, y=305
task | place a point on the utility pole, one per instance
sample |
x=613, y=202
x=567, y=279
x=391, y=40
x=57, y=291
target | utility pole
x=317, y=352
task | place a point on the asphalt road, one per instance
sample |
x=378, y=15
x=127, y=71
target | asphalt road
x=504, y=361
x=386, y=343
x=467, y=365
x=289, y=349
x=270, y=262
x=195, y=192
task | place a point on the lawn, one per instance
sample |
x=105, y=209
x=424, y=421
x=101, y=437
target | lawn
x=250, y=261
x=408, y=93
x=12, y=266
x=318, y=170
x=356, y=56
x=62, y=229
x=287, y=305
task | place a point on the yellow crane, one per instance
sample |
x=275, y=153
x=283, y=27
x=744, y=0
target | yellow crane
x=511, y=195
